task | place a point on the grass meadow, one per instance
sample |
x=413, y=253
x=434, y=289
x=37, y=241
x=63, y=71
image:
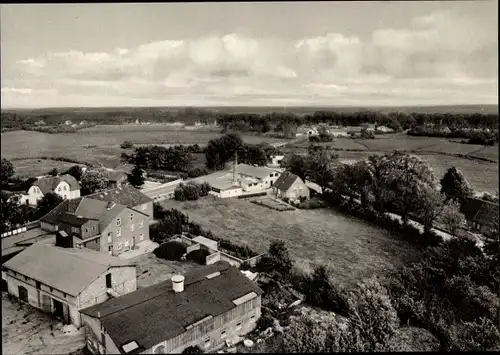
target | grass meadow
x=352, y=248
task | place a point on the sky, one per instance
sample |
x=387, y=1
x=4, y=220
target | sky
x=383, y=53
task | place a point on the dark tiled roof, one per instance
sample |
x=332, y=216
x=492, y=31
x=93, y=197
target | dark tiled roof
x=163, y=314
x=64, y=207
x=480, y=211
x=285, y=181
x=125, y=195
x=72, y=219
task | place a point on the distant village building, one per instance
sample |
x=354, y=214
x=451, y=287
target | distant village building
x=290, y=186
x=83, y=123
x=276, y=161
x=111, y=221
x=137, y=121
x=62, y=281
x=68, y=123
x=209, y=308
x=384, y=129
x=65, y=186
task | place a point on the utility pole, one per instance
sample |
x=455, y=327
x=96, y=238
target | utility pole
x=235, y=162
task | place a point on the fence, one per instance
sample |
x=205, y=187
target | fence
x=26, y=227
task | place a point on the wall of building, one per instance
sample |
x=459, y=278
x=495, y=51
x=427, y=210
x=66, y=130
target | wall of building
x=123, y=281
x=297, y=190
x=34, y=194
x=47, y=226
x=93, y=337
x=130, y=229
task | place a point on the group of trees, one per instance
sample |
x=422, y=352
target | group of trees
x=482, y=137
x=191, y=191
x=221, y=150
x=160, y=158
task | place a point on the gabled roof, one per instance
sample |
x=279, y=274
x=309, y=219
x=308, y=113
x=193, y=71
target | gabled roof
x=72, y=219
x=480, y=211
x=254, y=171
x=49, y=183
x=66, y=269
x=163, y=314
x=286, y=180
x=125, y=195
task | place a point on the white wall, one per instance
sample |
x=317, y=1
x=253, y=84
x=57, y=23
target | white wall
x=34, y=194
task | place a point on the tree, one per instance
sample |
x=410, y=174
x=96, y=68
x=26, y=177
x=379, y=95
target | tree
x=93, y=181
x=373, y=315
x=429, y=206
x=480, y=335
x=451, y=217
x=136, y=177
x=12, y=213
x=6, y=171
x=47, y=203
x=220, y=150
x=76, y=171
x=127, y=145
x=405, y=180
x=321, y=166
x=454, y=185
x=297, y=165
x=280, y=257
x=304, y=335
x=53, y=172
x=173, y=222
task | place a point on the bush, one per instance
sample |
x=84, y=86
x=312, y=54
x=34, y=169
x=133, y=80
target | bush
x=127, y=145
x=158, y=211
x=191, y=192
x=265, y=321
x=193, y=350
x=311, y=204
x=170, y=251
x=196, y=172
x=198, y=256
x=179, y=194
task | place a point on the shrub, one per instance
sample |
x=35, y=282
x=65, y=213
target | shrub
x=195, y=172
x=265, y=321
x=198, y=256
x=204, y=189
x=170, y=251
x=158, y=210
x=127, y=145
x=193, y=350
x=179, y=194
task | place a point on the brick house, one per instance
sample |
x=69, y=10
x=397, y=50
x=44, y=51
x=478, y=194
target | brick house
x=290, y=186
x=112, y=221
x=206, y=307
x=62, y=281
x=65, y=186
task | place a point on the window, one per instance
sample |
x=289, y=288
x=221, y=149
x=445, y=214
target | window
x=132, y=227
x=127, y=243
x=141, y=224
x=51, y=289
x=238, y=326
x=131, y=216
x=38, y=285
x=65, y=196
x=110, y=237
x=223, y=334
x=207, y=343
x=59, y=189
x=118, y=232
x=64, y=295
x=108, y=280
x=119, y=246
x=65, y=188
x=74, y=230
x=110, y=250
x=86, y=230
x=25, y=278
x=93, y=228
x=141, y=237
x=118, y=221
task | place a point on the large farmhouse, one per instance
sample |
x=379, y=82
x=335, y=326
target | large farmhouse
x=111, y=221
x=65, y=186
x=206, y=307
x=63, y=280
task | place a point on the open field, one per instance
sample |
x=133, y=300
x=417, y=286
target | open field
x=27, y=331
x=354, y=249
x=37, y=167
x=101, y=144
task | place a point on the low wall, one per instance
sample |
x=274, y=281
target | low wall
x=193, y=247
x=237, y=261
x=26, y=227
x=213, y=258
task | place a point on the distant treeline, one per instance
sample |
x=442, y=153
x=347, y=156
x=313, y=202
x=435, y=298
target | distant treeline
x=474, y=137
x=282, y=123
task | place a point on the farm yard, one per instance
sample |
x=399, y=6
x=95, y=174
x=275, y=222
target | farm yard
x=354, y=249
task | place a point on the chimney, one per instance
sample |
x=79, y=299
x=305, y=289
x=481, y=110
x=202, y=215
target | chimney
x=178, y=283
x=235, y=162
x=110, y=205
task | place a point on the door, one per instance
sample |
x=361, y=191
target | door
x=58, y=309
x=23, y=293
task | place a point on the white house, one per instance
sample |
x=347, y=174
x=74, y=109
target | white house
x=290, y=186
x=62, y=281
x=244, y=179
x=65, y=186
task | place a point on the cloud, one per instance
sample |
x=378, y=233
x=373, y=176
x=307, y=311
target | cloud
x=445, y=56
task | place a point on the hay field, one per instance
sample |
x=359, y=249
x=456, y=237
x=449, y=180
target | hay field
x=354, y=249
